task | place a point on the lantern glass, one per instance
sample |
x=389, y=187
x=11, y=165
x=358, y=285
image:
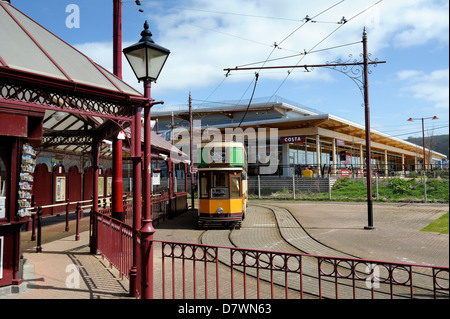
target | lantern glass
x=145, y=57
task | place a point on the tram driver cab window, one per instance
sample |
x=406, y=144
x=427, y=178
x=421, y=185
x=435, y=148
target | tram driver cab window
x=219, y=187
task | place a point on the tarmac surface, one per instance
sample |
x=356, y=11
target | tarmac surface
x=322, y=228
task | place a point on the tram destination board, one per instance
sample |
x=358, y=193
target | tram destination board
x=233, y=156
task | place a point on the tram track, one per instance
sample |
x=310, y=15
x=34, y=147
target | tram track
x=275, y=228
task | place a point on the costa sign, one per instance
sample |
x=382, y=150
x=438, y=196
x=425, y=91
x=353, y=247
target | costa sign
x=292, y=139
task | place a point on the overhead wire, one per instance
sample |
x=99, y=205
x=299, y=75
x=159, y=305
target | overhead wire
x=276, y=45
x=321, y=41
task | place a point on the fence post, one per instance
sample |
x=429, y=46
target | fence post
x=39, y=230
x=293, y=185
x=329, y=186
x=259, y=187
x=424, y=187
x=376, y=185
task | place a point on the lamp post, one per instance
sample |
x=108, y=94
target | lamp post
x=423, y=134
x=147, y=60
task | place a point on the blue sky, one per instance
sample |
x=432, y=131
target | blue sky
x=207, y=36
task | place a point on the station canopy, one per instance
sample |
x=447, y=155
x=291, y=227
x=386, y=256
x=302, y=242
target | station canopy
x=79, y=100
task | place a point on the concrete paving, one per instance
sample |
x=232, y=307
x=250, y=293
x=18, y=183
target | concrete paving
x=321, y=228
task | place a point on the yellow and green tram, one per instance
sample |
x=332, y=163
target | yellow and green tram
x=222, y=181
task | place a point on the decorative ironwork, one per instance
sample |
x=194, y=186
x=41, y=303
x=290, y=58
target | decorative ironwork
x=353, y=69
x=76, y=137
x=65, y=101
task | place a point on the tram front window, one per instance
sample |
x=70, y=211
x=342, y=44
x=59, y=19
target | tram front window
x=219, y=187
x=204, y=185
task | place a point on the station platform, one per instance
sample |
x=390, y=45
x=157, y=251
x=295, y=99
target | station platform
x=340, y=226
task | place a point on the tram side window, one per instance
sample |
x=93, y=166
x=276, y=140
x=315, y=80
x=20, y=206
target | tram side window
x=204, y=185
x=219, y=187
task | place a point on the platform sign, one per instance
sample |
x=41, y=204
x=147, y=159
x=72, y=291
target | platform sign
x=156, y=178
x=60, y=189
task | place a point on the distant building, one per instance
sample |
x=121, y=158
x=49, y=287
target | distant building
x=306, y=137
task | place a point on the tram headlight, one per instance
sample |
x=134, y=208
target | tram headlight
x=219, y=210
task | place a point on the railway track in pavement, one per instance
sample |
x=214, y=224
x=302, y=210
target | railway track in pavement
x=274, y=228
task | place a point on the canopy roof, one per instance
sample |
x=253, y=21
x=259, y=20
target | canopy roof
x=28, y=46
x=78, y=99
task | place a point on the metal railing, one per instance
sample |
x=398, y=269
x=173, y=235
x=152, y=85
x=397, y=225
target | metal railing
x=189, y=270
x=348, y=170
x=201, y=271
x=36, y=215
x=115, y=242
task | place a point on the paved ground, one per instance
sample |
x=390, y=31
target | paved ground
x=336, y=226
x=397, y=236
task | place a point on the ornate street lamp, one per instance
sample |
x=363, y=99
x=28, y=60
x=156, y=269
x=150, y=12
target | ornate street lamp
x=146, y=57
x=147, y=60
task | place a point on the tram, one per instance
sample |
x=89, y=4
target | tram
x=222, y=181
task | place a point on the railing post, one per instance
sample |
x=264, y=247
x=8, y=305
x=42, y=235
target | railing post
x=67, y=215
x=77, y=232
x=39, y=230
x=33, y=229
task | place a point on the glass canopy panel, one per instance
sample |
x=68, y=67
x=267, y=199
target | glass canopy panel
x=121, y=85
x=75, y=64
x=20, y=52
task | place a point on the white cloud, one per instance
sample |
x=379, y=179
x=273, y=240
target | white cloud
x=203, y=43
x=431, y=87
x=205, y=39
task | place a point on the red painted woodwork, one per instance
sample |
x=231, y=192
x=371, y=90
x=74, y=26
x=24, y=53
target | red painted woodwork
x=13, y=125
x=43, y=194
x=88, y=179
x=74, y=186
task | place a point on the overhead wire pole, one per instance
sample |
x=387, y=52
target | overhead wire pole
x=365, y=88
x=367, y=129
x=191, y=153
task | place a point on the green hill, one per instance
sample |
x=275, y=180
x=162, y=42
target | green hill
x=438, y=143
